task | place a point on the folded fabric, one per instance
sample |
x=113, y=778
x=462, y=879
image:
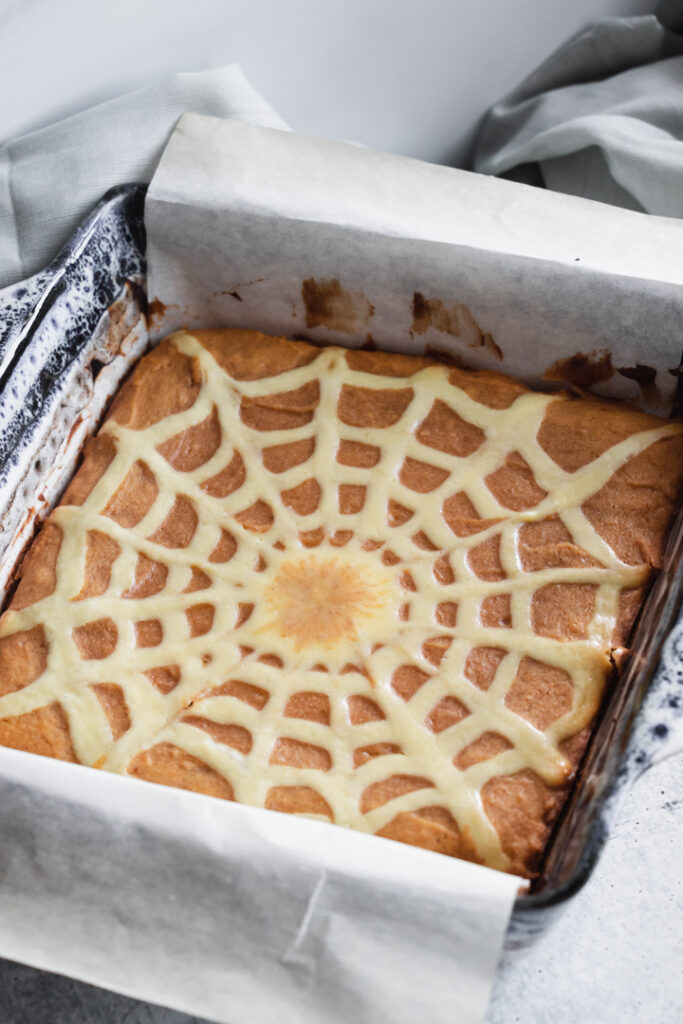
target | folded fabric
x=601, y=118
x=50, y=179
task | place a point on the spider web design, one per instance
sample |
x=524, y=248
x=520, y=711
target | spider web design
x=309, y=643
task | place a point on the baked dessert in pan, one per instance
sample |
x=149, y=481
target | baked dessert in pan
x=357, y=585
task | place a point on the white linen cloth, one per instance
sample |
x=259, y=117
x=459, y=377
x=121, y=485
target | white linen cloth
x=51, y=179
x=602, y=118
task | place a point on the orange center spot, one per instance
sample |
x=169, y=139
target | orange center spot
x=322, y=602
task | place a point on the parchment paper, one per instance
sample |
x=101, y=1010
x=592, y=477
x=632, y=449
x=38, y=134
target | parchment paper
x=244, y=915
x=265, y=229
x=235, y=913
x=227, y=912
x=408, y=255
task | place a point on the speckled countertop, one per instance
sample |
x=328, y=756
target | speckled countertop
x=615, y=956
x=617, y=953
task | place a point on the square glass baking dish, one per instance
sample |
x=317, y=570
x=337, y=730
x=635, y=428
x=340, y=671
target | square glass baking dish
x=67, y=338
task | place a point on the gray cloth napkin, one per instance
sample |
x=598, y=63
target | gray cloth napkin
x=50, y=179
x=601, y=118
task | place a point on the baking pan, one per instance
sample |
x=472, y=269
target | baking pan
x=67, y=338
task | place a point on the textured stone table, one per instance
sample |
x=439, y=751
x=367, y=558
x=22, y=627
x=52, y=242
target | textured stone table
x=615, y=955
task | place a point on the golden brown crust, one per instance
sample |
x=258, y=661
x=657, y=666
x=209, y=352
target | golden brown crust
x=98, y=455
x=39, y=568
x=432, y=828
x=100, y=554
x=250, y=355
x=548, y=544
x=192, y=447
x=171, y=766
x=163, y=383
x=495, y=390
x=386, y=364
x=522, y=809
x=540, y=693
x=134, y=497
x=113, y=701
x=298, y=800
x=576, y=431
x=23, y=657
x=642, y=493
x=42, y=731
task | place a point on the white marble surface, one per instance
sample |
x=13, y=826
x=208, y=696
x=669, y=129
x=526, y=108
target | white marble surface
x=412, y=78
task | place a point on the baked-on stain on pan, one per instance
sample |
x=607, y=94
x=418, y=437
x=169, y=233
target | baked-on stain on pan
x=585, y=370
x=456, y=320
x=329, y=305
